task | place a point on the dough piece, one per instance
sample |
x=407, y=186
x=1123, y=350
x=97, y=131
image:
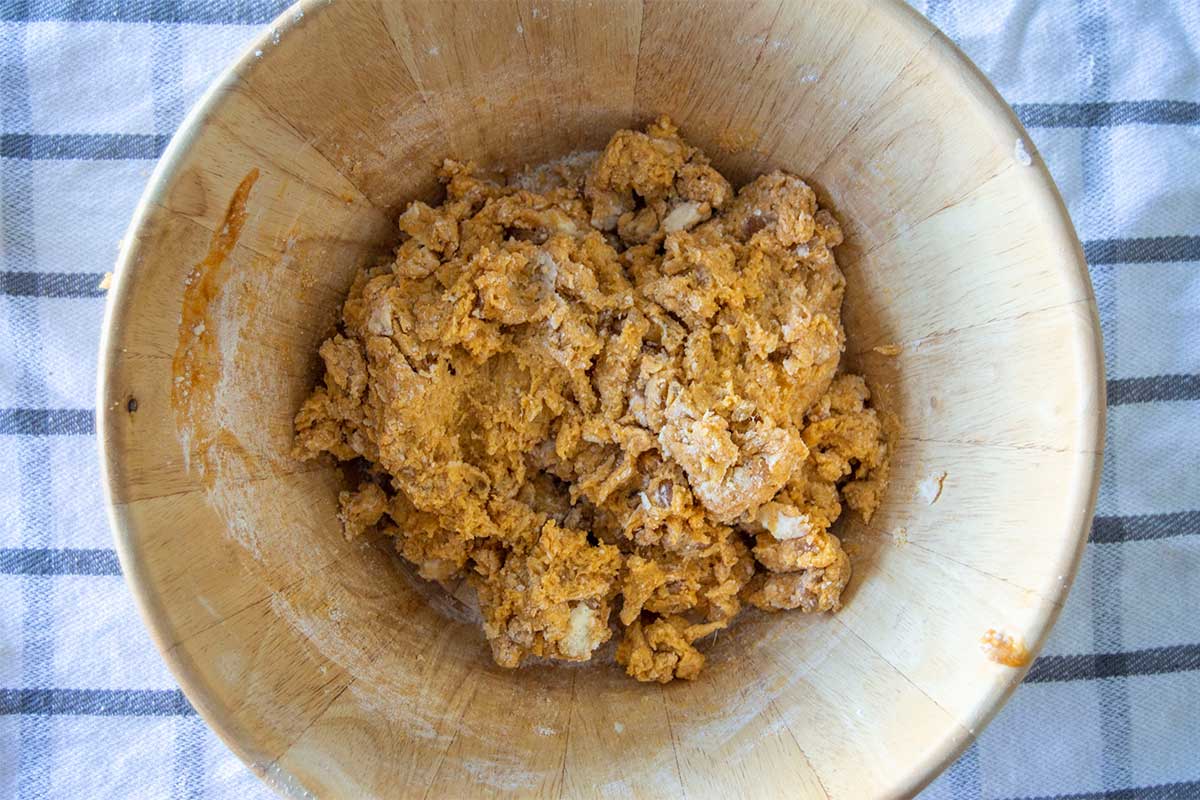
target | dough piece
x=553, y=602
x=610, y=383
x=810, y=590
x=662, y=650
x=361, y=509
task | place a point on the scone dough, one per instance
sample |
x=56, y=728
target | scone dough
x=606, y=392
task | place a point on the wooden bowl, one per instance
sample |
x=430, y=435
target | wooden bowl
x=327, y=666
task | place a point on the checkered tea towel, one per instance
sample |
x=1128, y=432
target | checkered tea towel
x=90, y=92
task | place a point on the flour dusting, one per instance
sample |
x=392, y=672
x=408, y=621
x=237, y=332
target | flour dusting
x=505, y=773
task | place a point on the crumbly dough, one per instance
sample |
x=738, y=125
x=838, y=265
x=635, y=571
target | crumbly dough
x=607, y=393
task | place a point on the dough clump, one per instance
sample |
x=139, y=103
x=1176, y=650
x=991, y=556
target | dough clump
x=606, y=392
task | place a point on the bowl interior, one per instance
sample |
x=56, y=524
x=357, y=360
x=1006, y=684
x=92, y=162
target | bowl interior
x=327, y=665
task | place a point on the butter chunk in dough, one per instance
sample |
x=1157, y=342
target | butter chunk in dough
x=606, y=385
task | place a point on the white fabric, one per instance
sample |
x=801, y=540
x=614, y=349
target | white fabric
x=89, y=95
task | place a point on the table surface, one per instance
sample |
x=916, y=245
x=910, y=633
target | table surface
x=89, y=96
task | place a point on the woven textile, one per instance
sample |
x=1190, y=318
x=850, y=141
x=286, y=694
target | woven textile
x=89, y=96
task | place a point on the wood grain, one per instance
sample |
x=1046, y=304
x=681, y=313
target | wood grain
x=329, y=668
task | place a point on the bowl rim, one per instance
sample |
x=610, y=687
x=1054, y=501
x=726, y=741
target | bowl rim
x=1086, y=480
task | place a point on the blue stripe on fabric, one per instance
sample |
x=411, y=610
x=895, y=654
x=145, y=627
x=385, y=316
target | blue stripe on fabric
x=94, y=703
x=1147, y=250
x=186, y=12
x=1181, y=790
x=1153, y=389
x=82, y=146
x=1108, y=114
x=1095, y=666
x=51, y=284
x=54, y=561
x=1142, y=527
x=35, y=422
